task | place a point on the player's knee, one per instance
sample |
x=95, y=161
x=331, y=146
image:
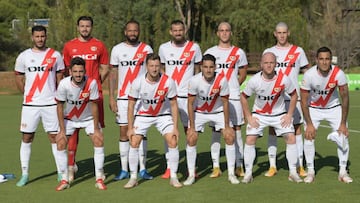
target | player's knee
x=61, y=144
x=290, y=138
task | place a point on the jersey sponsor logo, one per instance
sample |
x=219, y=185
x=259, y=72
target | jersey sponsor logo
x=275, y=94
x=330, y=87
x=72, y=102
x=321, y=92
x=83, y=100
x=223, y=65
x=87, y=57
x=132, y=63
x=188, y=56
x=39, y=69
x=212, y=97
x=284, y=64
x=209, y=98
x=40, y=81
x=177, y=62
x=152, y=101
x=157, y=97
x=137, y=62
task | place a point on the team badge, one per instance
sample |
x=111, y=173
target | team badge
x=332, y=85
x=140, y=55
x=291, y=56
x=74, y=50
x=23, y=125
x=232, y=58
x=160, y=92
x=215, y=91
x=49, y=60
x=93, y=48
x=84, y=95
x=277, y=89
x=186, y=54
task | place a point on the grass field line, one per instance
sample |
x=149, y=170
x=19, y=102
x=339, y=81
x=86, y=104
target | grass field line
x=350, y=130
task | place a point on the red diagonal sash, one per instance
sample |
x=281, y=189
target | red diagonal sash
x=85, y=93
x=330, y=85
x=40, y=81
x=277, y=91
x=188, y=55
x=160, y=94
x=214, y=92
x=131, y=75
x=233, y=58
x=291, y=57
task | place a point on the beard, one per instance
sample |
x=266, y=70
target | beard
x=132, y=39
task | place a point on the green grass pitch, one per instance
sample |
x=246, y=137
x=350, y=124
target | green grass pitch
x=41, y=187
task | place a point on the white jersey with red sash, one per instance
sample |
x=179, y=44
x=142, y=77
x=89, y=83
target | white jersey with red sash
x=323, y=90
x=130, y=61
x=154, y=96
x=40, y=69
x=269, y=94
x=290, y=60
x=228, y=61
x=179, y=63
x=77, y=98
x=208, y=94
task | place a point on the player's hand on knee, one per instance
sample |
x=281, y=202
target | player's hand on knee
x=253, y=121
x=286, y=121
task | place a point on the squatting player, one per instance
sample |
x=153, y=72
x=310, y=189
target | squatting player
x=269, y=88
x=79, y=94
x=157, y=94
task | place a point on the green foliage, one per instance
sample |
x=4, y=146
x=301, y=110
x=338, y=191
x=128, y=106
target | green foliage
x=253, y=22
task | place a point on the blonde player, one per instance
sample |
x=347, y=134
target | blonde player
x=158, y=106
x=128, y=63
x=209, y=102
x=38, y=70
x=231, y=61
x=320, y=89
x=80, y=93
x=269, y=88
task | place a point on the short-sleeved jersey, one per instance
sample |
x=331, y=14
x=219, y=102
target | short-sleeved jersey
x=269, y=94
x=179, y=63
x=77, y=98
x=208, y=94
x=93, y=52
x=290, y=60
x=154, y=96
x=323, y=90
x=130, y=62
x=228, y=61
x=40, y=69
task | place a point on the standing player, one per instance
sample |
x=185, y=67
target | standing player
x=128, y=59
x=269, y=88
x=290, y=59
x=158, y=106
x=232, y=62
x=38, y=70
x=80, y=93
x=94, y=52
x=320, y=89
x=209, y=102
x=181, y=60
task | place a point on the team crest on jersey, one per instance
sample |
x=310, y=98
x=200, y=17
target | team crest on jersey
x=23, y=125
x=85, y=94
x=93, y=48
x=140, y=55
x=161, y=92
x=215, y=90
x=291, y=56
x=74, y=50
x=186, y=54
x=49, y=60
x=232, y=58
x=331, y=85
x=277, y=89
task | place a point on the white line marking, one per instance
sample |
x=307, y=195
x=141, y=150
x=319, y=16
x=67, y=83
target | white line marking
x=354, y=131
